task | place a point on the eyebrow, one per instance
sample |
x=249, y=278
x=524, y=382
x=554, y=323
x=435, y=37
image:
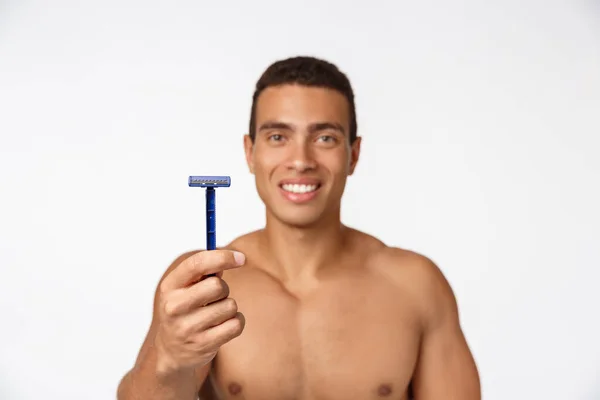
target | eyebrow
x=318, y=126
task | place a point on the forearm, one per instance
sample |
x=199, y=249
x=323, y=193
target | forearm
x=145, y=382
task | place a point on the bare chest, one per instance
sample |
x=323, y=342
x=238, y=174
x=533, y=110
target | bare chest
x=344, y=341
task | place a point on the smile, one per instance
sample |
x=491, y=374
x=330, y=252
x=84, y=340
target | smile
x=299, y=188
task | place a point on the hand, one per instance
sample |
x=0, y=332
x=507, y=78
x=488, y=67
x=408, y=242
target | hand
x=196, y=316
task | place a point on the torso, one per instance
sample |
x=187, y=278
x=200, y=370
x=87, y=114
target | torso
x=354, y=334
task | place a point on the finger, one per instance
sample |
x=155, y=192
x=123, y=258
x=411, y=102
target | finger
x=224, y=332
x=215, y=314
x=203, y=263
x=207, y=291
x=204, y=318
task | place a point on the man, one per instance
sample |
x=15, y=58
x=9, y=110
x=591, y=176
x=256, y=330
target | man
x=306, y=308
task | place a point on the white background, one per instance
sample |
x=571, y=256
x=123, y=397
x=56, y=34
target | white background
x=480, y=122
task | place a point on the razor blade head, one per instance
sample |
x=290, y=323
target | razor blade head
x=209, y=181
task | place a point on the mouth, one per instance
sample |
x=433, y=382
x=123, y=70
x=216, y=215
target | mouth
x=302, y=188
x=301, y=191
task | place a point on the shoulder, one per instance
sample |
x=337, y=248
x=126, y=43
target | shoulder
x=251, y=245
x=405, y=267
x=422, y=279
x=245, y=243
x=420, y=267
x=242, y=243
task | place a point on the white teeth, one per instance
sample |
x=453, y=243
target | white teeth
x=299, y=188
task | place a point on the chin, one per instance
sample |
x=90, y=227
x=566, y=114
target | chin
x=298, y=219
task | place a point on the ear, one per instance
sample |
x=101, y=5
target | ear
x=354, y=154
x=249, y=151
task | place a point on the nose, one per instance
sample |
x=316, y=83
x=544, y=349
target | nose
x=301, y=158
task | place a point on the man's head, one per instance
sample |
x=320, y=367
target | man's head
x=309, y=72
x=302, y=143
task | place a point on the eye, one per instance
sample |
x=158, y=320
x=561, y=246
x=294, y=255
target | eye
x=327, y=139
x=275, y=137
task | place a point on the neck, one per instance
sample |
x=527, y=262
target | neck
x=301, y=252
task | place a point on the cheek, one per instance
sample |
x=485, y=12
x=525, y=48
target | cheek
x=338, y=164
x=265, y=163
x=270, y=156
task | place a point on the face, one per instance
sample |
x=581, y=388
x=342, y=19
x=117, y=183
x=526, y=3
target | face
x=301, y=155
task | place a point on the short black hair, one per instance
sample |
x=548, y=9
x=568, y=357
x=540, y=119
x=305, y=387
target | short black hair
x=306, y=71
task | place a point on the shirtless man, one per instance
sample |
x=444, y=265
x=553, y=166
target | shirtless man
x=306, y=308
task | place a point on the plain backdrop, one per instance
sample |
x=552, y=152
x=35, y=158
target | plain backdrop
x=480, y=124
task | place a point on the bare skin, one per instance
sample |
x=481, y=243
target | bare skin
x=357, y=329
x=321, y=311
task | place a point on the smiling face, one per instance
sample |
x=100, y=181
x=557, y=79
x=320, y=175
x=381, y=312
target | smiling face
x=301, y=155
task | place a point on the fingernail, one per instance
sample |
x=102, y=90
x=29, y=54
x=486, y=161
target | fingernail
x=240, y=258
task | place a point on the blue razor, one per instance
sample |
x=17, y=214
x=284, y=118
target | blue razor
x=210, y=183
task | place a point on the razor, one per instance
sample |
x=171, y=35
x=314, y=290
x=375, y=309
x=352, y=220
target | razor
x=210, y=183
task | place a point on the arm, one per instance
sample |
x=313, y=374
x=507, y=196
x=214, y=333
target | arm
x=145, y=380
x=446, y=368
